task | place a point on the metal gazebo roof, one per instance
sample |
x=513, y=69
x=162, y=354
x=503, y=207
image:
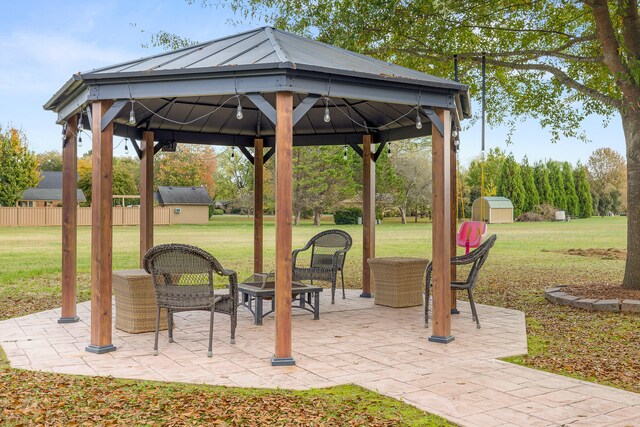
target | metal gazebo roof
x=175, y=93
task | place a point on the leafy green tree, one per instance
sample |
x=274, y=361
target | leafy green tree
x=18, y=167
x=234, y=180
x=492, y=164
x=50, y=160
x=413, y=189
x=557, y=185
x=543, y=185
x=532, y=198
x=573, y=204
x=189, y=165
x=583, y=192
x=607, y=168
x=124, y=176
x=510, y=184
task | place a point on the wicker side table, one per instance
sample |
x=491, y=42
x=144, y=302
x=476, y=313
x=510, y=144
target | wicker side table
x=136, y=302
x=399, y=281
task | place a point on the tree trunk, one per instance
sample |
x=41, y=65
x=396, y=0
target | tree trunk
x=297, y=218
x=403, y=213
x=631, y=127
x=316, y=217
x=416, y=216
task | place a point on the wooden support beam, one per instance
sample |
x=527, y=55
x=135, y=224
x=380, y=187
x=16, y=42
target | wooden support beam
x=101, y=231
x=454, y=219
x=284, y=212
x=69, y=221
x=146, y=195
x=368, y=215
x=441, y=229
x=258, y=211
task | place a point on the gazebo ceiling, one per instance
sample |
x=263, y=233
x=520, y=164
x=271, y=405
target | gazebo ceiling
x=191, y=94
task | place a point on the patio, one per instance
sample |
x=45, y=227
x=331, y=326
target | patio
x=355, y=341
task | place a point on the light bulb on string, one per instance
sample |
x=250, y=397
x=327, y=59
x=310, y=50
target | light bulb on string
x=132, y=114
x=64, y=132
x=327, y=116
x=80, y=125
x=126, y=147
x=345, y=153
x=233, y=152
x=389, y=148
x=79, y=139
x=239, y=113
x=454, y=133
x=418, y=119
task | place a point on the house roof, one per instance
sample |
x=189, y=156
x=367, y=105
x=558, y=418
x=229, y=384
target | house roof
x=191, y=94
x=183, y=196
x=498, y=202
x=49, y=188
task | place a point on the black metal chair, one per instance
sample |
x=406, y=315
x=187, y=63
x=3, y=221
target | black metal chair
x=477, y=257
x=328, y=252
x=183, y=281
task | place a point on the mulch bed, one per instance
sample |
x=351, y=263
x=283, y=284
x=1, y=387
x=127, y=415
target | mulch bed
x=602, y=291
x=608, y=253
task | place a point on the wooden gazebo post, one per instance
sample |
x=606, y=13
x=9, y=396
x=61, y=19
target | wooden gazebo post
x=146, y=195
x=454, y=219
x=368, y=214
x=441, y=229
x=101, y=230
x=258, y=205
x=284, y=211
x=69, y=221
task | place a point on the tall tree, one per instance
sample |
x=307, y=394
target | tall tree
x=510, y=184
x=607, y=168
x=573, y=203
x=543, y=185
x=557, y=185
x=50, y=160
x=124, y=176
x=18, y=167
x=189, y=165
x=413, y=188
x=234, y=180
x=492, y=163
x=532, y=198
x=583, y=192
x=543, y=57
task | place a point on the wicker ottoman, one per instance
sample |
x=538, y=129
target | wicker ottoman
x=399, y=281
x=135, y=302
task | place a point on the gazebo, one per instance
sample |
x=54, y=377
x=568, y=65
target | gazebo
x=265, y=90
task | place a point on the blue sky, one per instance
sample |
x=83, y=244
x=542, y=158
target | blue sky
x=42, y=43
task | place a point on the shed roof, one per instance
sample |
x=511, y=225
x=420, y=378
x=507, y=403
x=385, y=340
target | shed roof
x=498, y=202
x=49, y=188
x=183, y=196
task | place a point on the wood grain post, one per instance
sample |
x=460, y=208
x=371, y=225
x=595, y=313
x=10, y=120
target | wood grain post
x=69, y=222
x=146, y=195
x=101, y=231
x=454, y=220
x=284, y=211
x=441, y=229
x=258, y=205
x=368, y=214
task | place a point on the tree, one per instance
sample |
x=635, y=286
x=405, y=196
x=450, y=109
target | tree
x=532, y=198
x=188, y=166
x=583, y=192
x=573, y=208
x=413, y=187
x=543, y=185
x=234, y=180
x=18, y=167
x=124, y=176
x=557, y=185
x=543, y=58
x=605, y=168
x=510, y=184
x=50, y=160
x=492, y=164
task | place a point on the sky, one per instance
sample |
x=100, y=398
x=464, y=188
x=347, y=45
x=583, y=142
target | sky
x=43, y=42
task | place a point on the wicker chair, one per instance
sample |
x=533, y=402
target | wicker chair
x=328, y=251
x=477, y=257
x=183, y=281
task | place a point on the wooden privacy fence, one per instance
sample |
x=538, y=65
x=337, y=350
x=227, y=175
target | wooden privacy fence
x=52, y=216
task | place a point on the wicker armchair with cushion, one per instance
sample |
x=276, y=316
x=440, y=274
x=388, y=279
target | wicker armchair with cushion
x=328, y=251
x=477, y=257
x=183, y=281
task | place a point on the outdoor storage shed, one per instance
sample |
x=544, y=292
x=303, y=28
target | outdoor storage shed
x=493, y=210
x=189, y=205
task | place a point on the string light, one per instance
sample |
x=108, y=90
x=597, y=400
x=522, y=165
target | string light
x=327, y=116
x=126, y=147
x=233, y=152
x=345, y=152
x=64, y=132
x=418, y=119
x=389, y=148
x=80, y=127
x=79, y=140
x=239, y=114
x=454, y=133
x=132, y=114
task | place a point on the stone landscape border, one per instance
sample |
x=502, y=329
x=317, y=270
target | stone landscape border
x=556, y=295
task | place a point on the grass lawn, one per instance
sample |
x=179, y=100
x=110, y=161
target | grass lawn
x=600, y=347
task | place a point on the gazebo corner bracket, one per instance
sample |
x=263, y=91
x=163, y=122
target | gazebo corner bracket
x=268, y=155
x=303, y=107
x=111, y=113
x=356, y=148
x=379, y=151
x=136, y=147
x=246, y=153
x=263, y=105
x=434, y=119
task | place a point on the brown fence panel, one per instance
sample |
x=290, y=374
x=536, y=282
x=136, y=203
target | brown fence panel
x=52, y=216
x=31, y=216
x=161, y=215
x=84, y=216
x=8, y=217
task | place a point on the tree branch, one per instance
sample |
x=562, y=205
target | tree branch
x=631, y=26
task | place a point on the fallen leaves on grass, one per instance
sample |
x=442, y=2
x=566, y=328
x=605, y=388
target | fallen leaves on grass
x=602, y=291
x=609, y=253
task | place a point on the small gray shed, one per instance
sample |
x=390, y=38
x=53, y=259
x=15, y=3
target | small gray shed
x=492, y=210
